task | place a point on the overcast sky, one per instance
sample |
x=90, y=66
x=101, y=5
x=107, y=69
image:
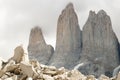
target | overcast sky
x=17, y=17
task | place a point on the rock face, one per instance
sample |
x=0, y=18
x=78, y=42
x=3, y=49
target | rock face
x=68, y=43
x=37, y=48
x=100, y=45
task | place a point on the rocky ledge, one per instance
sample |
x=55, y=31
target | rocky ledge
x=19, y=67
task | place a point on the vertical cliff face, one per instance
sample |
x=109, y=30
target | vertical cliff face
x=37, y=48
x=68, y=43
x=100, y=45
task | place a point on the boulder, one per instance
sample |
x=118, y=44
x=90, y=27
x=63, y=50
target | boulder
x=47, y=77
x=18, y=54
x=76, y=75
x=27, y=69
x=6, y=67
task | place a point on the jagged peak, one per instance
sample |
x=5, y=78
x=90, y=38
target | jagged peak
x=91, y=16
x=92, y=13
x=101, y=12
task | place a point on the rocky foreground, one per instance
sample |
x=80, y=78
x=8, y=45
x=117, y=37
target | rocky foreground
x=19, y=67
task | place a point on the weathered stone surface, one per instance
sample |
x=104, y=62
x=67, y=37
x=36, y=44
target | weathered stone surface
x=76, y=75
x=47, y=77
x=27, y=69
x=18, y=54
x=5, y=68
x=25, y=57
x=12, y=67
x=37, y=48
x=100, y=45
x=68, y=43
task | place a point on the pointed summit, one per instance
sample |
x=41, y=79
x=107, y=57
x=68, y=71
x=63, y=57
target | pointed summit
x=100, y=13
x=68, y=43
x=37, y=48
x=36, y=36
x=92, y=13
x=70, y=5
x=68, y=12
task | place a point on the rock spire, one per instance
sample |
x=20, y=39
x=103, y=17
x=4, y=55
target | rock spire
x=38, y=48
x=68, y=43
x=100, y=45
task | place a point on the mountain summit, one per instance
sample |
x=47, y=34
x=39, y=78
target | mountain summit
x=68, y=43
x=37, y=48
x=100, y=45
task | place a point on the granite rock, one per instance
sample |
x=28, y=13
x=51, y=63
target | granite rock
x=100, y=45
x=37, y=48
x=68, y=42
